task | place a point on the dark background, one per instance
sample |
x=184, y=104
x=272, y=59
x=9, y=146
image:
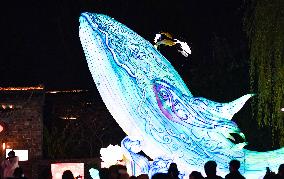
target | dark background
x=40, y=45
x=40, y=42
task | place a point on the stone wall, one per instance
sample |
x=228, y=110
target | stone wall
x=21, y=111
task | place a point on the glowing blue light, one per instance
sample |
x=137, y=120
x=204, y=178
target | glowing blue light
x=94, y=173
x=152, y=104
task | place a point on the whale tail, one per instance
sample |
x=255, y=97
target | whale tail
x=227, y=110
x=234, y=106
x=221, y=110
x=258, y=161
x=221, y=113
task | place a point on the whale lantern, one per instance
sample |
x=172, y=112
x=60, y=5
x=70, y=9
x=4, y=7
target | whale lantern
x=151, y=103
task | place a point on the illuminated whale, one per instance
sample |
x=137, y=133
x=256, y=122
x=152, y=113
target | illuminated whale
x=152, y=104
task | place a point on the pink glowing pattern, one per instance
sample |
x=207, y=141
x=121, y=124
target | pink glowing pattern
x=57, y=169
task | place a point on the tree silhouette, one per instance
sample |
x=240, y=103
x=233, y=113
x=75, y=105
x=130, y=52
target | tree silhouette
x=264, y=25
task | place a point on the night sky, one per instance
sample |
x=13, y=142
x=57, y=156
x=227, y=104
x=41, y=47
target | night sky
x=40, y=42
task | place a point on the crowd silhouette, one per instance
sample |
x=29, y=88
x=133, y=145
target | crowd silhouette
x=210, y=169
x=11, y=170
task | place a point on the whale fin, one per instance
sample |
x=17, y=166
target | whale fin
x=271, y=159
x=239, y=146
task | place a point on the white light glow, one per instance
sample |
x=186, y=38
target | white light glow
x=22, y=154
x=57, y=169
x=111, y=155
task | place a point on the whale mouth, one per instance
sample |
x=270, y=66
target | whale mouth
x=89, y=19
x=93, y=37
x=90, y=25
x=99, y=23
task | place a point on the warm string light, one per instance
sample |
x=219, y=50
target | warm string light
x=9, y=106
x=67, y=118
x=67, y=91
x=21, y=88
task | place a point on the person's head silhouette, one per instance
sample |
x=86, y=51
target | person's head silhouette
x=281, y=170
x=210, y=168
x=11, y=154
x=67, y=174
x=234, y=165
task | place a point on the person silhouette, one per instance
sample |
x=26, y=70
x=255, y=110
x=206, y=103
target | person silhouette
x=234, y=166
x=210, y=170
x=10, y=164
x=195, y=175
x=19, y=173
x=280, y=174
x=173, y=171
x=67, y=174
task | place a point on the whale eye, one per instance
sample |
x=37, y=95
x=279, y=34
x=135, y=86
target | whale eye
x=163, y=94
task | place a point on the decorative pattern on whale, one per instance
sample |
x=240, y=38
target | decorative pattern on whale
x=152, y=104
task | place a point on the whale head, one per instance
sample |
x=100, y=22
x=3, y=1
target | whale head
x=104, y=38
